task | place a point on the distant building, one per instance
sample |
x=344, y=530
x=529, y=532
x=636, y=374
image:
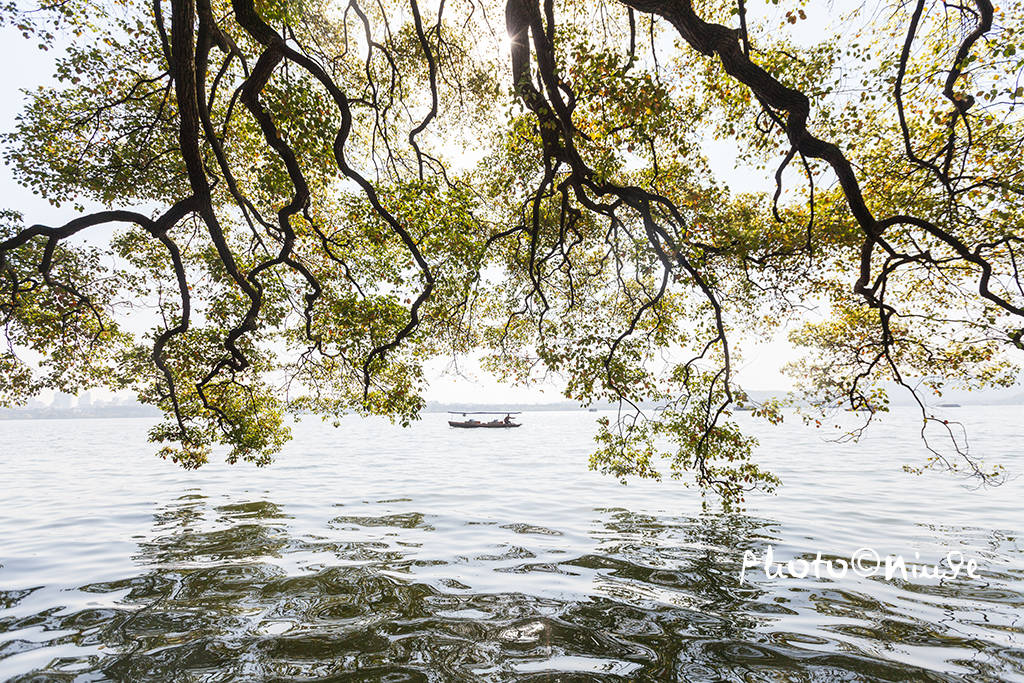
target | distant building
x=62, y=401
x=85, y=400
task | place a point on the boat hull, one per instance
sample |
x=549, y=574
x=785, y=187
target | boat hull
x=482, y=425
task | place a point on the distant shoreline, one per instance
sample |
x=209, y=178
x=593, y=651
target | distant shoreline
x=92, y=412
x=144, y=411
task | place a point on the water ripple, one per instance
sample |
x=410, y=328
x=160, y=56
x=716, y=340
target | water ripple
x=495, y=561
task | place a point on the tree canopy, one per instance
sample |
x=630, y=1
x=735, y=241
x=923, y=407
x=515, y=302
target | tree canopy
x=313, y=199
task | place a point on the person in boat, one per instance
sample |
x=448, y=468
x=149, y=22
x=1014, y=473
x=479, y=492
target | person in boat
x=507, y=420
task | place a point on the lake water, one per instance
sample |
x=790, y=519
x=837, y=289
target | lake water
x=371, y=553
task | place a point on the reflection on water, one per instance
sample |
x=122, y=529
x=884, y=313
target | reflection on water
x=219, y=585
x=660, y=598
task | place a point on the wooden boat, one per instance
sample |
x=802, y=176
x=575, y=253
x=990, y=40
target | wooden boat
x=473, y=423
